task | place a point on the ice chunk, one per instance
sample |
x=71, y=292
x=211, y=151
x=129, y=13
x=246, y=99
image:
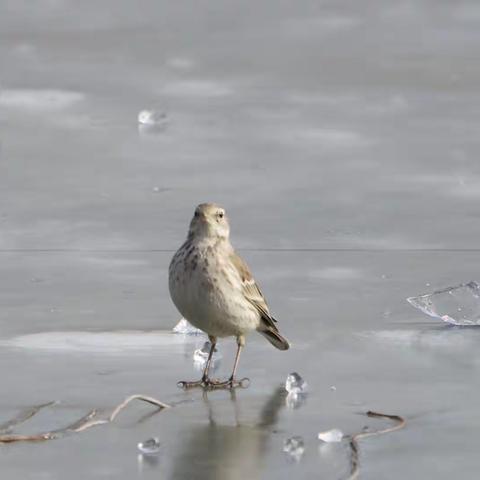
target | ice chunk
x=331, y=436
x=294, y=447
x=152, y=117
x=200, y=356
x=297, y=388
x=458, y=305
x=295, y=384
x=295, y=400
x=186, y=328
x=150, y=446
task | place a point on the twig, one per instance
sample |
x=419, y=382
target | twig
x=85, y=422
x=144, y=398
x=354, y=446
x=40, y=437
x=23, y=417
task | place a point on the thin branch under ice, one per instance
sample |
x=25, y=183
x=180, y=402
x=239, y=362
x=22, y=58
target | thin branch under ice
x=354, y=446
x=23, y=416
x=83, y=423
x=144, y=398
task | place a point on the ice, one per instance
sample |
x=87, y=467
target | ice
x=200, y=355
x=295, y=400
x=331, y=436
x=458, y=305
x=39, y=100
x=152, y=117
x=108, y=343
x=186, y=328
x=150, y=446
x=197, y=88
x=295, y=384
x=297, y=388
x=294, y=447
x=181, y=63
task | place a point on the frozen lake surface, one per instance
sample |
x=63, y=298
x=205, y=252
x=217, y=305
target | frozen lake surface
x=342, y=139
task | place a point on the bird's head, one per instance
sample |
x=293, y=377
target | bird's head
x=209, y=220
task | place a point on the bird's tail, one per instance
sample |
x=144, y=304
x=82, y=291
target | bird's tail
x=275, y=339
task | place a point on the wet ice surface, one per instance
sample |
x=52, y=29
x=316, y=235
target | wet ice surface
x=360, y=163
x=458, y=305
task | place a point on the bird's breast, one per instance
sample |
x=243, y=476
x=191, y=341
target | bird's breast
x=207, y=292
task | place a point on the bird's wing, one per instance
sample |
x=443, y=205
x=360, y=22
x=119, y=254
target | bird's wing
x=252, y=291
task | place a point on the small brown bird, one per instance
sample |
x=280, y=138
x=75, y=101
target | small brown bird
x=212, y=287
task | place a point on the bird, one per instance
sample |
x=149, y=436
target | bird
x=212, y=287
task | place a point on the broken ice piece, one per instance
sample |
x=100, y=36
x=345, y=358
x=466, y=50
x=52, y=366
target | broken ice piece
x=458, y=305
x=151, y=117
x=295, y=400
x=294, y=447
x=331, y=436
x=295, y=384
x=200, y=356
x=186, y=328
x=150, y=446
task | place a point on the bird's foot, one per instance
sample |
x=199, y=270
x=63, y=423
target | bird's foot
x=186, y=385
x=227, y=384
x=212, y=384
x=204, y=382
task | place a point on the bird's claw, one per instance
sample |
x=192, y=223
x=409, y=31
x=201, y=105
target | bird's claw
x=228, y=384
x=186, y=385
x=210, y=384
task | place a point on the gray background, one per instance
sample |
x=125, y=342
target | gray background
x=342, y=138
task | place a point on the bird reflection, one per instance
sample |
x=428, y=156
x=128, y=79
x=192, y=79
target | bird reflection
x=230, y=449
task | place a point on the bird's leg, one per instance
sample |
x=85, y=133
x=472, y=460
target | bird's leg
x=240, y=344
x=231, y=382
x=204, y=381
x=213, y=342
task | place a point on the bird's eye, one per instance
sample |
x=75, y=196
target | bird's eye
x=195, y=214
x=220, y=214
